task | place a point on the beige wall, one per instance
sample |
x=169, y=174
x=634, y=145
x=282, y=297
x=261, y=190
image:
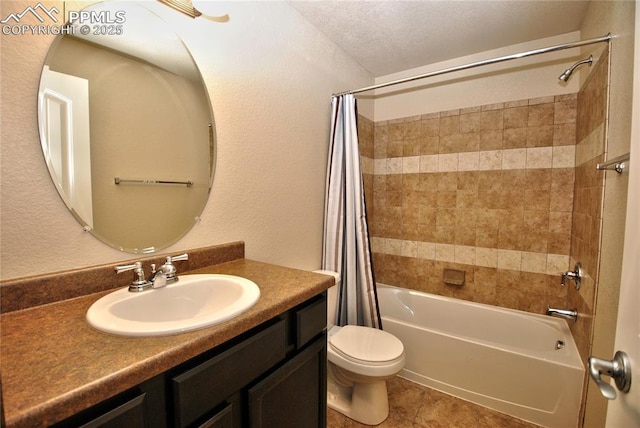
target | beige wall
x=270, y=76
x=616, y=17
x=520, y=79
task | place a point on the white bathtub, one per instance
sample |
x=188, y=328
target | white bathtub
x=499, y=358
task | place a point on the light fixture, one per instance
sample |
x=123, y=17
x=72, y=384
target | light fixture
x=186, y=7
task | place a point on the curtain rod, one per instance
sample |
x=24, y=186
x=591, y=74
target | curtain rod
x=563, y=46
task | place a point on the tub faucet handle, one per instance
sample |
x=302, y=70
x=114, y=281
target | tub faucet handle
x=575, y=275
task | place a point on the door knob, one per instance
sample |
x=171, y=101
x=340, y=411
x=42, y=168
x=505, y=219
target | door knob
x=619, y=369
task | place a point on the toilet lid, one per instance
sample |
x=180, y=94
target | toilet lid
x=366, y=344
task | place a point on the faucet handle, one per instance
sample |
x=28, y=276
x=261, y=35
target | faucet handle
x=137, y=270
x=575, y=274
x=178, y=258
x=169, y=269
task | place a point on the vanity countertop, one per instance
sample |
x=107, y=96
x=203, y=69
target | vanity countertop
x=55, y=365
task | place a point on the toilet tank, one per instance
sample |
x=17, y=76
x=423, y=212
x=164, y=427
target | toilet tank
x=332, y=297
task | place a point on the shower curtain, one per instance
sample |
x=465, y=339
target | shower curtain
x=346, y=247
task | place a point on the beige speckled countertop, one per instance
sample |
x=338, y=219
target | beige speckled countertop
x=54, y=365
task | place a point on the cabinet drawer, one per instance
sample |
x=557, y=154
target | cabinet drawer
x=129, y=414
x=200, y=389
x=311, y=320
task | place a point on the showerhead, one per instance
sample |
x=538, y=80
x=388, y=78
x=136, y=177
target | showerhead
x=569, y=71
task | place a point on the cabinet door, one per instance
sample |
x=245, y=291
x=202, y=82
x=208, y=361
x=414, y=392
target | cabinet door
x=204, y=387
x=222, y=419
x=295, y=395
x=140, y=407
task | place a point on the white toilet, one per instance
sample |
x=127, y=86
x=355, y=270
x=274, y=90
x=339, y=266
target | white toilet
x=361, y=359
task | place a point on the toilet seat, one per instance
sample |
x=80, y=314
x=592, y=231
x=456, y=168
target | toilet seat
x=365, y=350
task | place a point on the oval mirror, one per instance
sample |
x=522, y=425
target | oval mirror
x=126, y=127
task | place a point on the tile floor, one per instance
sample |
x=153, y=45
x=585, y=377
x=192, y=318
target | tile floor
x=414, y=406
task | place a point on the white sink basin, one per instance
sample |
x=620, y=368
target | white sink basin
x=195, y=301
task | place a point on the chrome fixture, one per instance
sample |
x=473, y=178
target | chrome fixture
x=169, y=269
x=575, y=275
x=570, y=314
x=118, y=180
x=140, y=283
x=167, y=274
x=186, y=7
x=606, y=38
x=616, y=164
x=619, y=369
x=559, y=344
x=569, y=71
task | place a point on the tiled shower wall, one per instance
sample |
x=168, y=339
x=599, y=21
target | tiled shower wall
x=589, y=193
x=487, y=190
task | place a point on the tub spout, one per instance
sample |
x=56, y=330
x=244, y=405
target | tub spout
x=570, y=314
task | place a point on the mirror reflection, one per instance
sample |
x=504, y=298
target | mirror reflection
x=127, y=131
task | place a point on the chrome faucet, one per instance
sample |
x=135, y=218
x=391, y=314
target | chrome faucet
x=140, y=283
x=570, y=314
x=575, y=275
x=169, y=269
x=167, y=274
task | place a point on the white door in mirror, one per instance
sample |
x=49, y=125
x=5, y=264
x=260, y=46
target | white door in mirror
x=194, y=302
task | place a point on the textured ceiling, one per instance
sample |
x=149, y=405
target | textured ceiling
x=386, y=36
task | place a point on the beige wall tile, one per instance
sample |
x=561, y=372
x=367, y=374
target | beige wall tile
x=514, y=138
x=429, y=163
x=509, y=259
x=491, y=120
x=490, y=160
x=465, y=254
x=468, y=161
x=564, y=156
x=557, y=263
x=540, y=114
x=514, y=159
x=539, y=157
x=517, y=103
x=541, y=100
x=445, y=252
x=470, y=122
x=495, y=106
x=487, y=257
x=534, y=262
x=427, y=250
x=592, y=146
x=564, y=134
x=565, y=110
x=411, y=165
x=409, y=249
x=394, y=166
x=449, y=125
x=540, y=136
x=448, y=162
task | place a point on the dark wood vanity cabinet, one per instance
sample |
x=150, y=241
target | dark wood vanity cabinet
x=271, y=376
x=142, y=406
